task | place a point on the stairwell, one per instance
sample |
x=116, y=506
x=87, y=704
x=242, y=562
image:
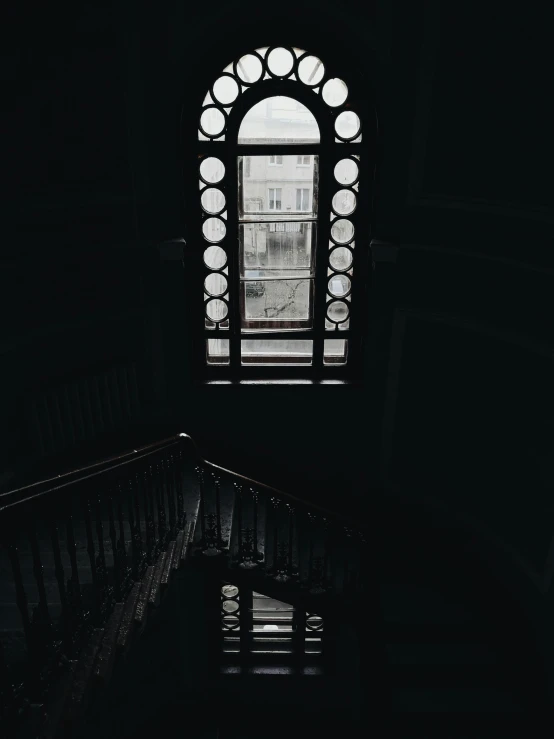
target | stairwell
x=112, y=610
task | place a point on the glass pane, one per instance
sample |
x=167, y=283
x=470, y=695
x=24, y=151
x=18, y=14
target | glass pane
x=347, y=125
x=212, y=170
x=335, y=352
x=287, y=173
x=249, y=68
x=337, y=311
x=334, y=92
x=340, y=258
x=278, y=119
x=280, y=62
x=346, y=172
x=212, y=121
x=226, y=90
x=213, y=200
x=339, y=285
x=344, y=202
x=342, y=231
x=278, y=249
x=277, y=304
x=215, y=257
x=267, y=351
x=215, y=284
x=217, y=352
x=216, y=310
x=214, y=229
x=311, y=70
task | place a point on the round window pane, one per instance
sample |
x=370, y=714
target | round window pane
x=226, y=90
x=214, y=229
x=230, y=622
x=280, y=62
x=347, y=125
x=341, y=258
x=216, y=310
x=250, y=68
x=212, y=121
x=213, y=200
x=346, y=172
x=215, y=284
x=215, y=257
x=344, y=202
x=311, y=70
x=212, y=170
x=230, y=606
x=334, y=92
x=337, y=311
x=342, y=231
x=339, y=285
x=229, y=591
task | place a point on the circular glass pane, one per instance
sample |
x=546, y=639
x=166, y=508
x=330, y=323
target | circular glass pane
x=216, y=310
x=213, y=200
x=344, y=202
x=347, y=125
x=341, y=258
x=215, y=257
x=346, y=172
x=215, y=284
x=214, y=229
x=314, y=621
x=226, y=90
x=212, y=121
x=249, y=68
x=311, y=70
x=229, y=591
x=230, y=606
x=334, y=92
x=342, y=231
x=212, y=170
x=337, y=311
x=230, y=622
x=280, y=62
x=339, y=285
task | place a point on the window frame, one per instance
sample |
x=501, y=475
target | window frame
x=329, y=151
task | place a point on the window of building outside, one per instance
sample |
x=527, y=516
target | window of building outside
x=280, y=229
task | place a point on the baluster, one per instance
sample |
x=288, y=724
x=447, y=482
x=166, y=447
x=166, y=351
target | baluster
x=179, y=485
x=257, y=555
x=217, y=510
x=134, y=551
x=161, y=509
x=149, y=516
x=115, y=557
x=97, y=596
x=101, y=569
x=139, y=540
x=121, y=549
x=200, y=475
x=41, y=615
x=73, y=584
x=21, y=597
x=170, y=489
x=60, y=577
x=290, y=568
x=275, y=503
x=238, y=503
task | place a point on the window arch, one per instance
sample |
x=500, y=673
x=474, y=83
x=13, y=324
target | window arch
x=285, y=157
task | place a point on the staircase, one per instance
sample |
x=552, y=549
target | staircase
x=89, y=557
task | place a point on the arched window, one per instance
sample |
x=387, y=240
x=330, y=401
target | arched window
x=285, y=164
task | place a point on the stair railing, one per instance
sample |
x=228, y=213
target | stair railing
x=73, y=546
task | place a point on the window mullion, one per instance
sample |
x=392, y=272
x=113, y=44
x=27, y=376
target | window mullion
x=322, y=239
x=233, y=255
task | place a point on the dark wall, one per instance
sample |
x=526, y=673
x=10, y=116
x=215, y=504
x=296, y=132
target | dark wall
x=95, y=156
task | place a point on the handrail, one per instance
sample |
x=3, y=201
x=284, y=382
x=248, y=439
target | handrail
x=118, y=461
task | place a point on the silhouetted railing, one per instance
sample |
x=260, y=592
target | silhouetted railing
x=74, y=548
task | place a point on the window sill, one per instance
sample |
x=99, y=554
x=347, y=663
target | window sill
x=282, y=381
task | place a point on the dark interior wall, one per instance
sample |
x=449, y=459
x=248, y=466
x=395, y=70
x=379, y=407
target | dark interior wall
x=96, y=155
